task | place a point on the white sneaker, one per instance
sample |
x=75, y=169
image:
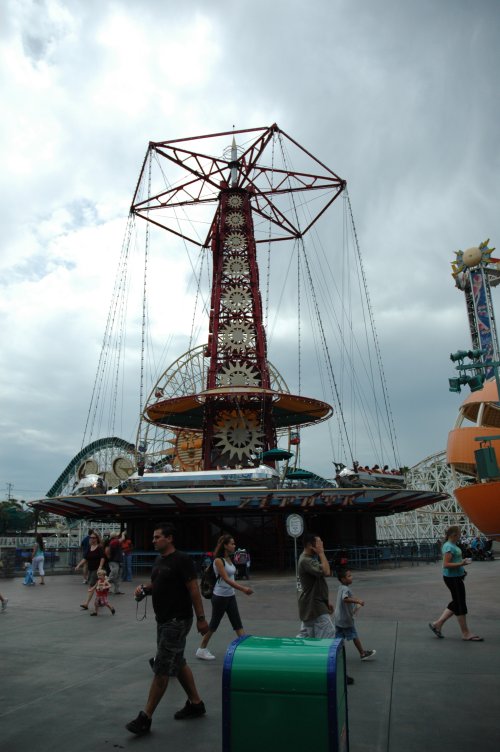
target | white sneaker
x=204, y=654
x=4, y=603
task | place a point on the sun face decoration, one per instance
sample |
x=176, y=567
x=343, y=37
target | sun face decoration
x=236, y=298
x=235, y=219
x=236, y=242
x=237, y=336
x=235, y=266
x=472, y=257
x=239, y=374
x=238, y=436
x=234, y=201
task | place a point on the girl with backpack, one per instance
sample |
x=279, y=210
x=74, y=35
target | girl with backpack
x=223, y=597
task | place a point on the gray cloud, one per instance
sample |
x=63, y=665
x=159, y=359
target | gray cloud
x=400, y=99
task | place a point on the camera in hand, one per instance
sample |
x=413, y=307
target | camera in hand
x=140, y=595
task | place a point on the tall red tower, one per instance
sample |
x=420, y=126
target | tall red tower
x=238, y=412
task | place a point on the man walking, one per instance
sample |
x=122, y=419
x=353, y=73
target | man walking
x=175, y=592
x=315, y=608
x=85, y=545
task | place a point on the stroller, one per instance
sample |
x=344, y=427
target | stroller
x=481, y=550
x=28, y=575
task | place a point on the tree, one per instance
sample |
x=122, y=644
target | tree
x=14, y=518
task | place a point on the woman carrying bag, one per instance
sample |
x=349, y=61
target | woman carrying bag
x=223, y=598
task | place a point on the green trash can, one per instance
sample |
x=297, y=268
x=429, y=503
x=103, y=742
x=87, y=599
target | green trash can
x=282, y=693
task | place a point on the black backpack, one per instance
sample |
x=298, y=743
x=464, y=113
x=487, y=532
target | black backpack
x=208, y=580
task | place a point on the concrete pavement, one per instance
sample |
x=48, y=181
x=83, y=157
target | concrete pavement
x=71, y=682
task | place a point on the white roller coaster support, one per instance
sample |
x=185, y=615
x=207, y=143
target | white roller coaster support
x=431, y=474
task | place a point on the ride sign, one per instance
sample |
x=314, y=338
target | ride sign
x=294, y=525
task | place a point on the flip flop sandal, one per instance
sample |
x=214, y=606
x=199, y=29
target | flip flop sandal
x=85, y=607
x=436, y=631
x=474, y=638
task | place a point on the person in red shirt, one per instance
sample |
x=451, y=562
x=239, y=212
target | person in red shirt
x=127, y=548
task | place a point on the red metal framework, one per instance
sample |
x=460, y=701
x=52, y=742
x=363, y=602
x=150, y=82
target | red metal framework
x=239, y=411
x=201, y=176
x=237, y=344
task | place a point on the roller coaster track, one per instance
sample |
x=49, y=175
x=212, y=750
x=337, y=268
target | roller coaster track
x=110, y=442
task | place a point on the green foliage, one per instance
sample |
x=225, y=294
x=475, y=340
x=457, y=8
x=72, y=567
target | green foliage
x=14, y=518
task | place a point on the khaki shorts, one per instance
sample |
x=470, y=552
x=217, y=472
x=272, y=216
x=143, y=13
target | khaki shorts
x=171, y=643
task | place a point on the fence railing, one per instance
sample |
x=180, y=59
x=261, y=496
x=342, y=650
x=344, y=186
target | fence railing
x=393, y=553
x=385, y=552
x=14, y=560
x=64, y=559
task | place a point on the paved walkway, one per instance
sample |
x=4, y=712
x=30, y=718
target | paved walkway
x=71, y=682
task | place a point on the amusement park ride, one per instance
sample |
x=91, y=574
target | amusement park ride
x=235, y=406
x=238, y=411
x=471, y=443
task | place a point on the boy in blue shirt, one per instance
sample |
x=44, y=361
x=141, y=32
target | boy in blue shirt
x=346, y=606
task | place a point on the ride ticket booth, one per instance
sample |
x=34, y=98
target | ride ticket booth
x=284, y=694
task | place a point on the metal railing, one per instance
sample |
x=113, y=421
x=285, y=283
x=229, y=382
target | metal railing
x=392, y=553
x=56, y=560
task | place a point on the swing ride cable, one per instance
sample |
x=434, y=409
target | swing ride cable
x=118, y=349
x=330, y=370
x=354, y=377
x=278, y=308
x=341, y=341
x=375, y=334
x=195, y=275
x=144, y=297
x=203, y=250
x=328, y=361
x=197, y=272
x=369, y=369
x=347, y=350
x=299, y=331
x=103, y=356
x=268, y=274
x=326, y=391
x=197, y=294
x=348, y=317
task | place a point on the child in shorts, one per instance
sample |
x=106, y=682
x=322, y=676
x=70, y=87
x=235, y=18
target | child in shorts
x=346, y=606
x=101, y=589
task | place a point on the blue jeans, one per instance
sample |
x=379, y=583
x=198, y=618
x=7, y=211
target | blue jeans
x=127, y=567
x=114, y=575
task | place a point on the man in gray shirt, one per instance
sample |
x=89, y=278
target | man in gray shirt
x=315, y=608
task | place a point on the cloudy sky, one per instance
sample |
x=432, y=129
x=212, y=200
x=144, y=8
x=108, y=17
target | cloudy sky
x=400, y=98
